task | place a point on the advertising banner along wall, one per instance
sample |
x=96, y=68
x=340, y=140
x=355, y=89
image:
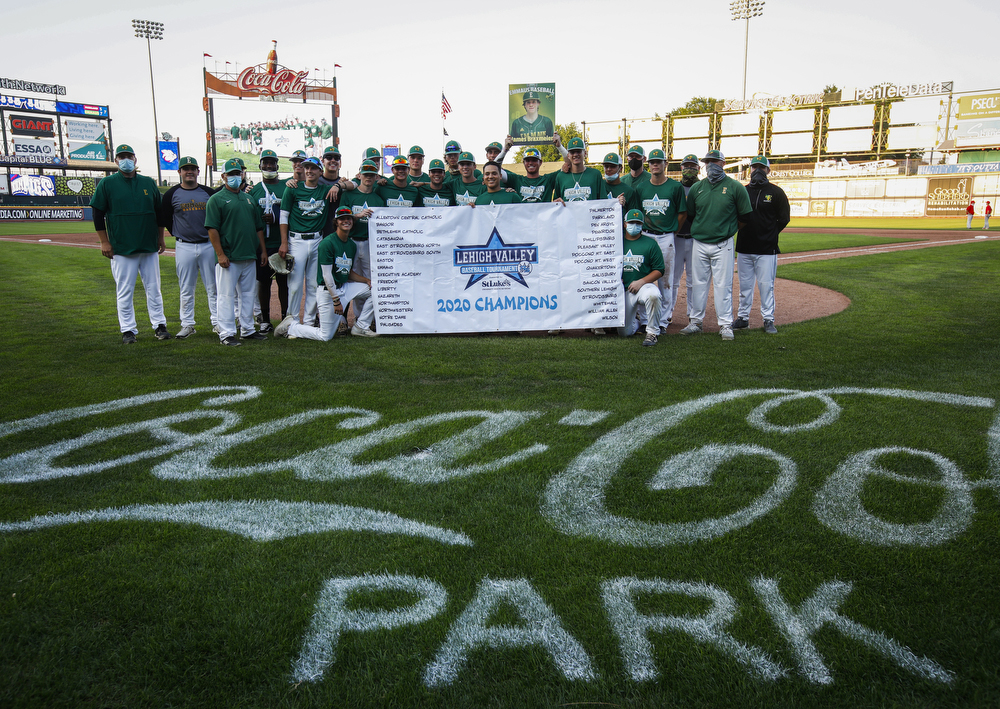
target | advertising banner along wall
x=497, y=268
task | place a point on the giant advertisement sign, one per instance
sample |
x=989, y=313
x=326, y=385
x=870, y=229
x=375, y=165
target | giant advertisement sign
x=497, y=268
x=36, y=126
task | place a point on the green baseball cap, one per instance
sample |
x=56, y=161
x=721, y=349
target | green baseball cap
x=530, y=95
x=714, y=155
x=372, y=154
x=612, y=159
x=240, y=161
x=344, y=212
x=232, y=165
x=400, y=161
x=416, y=150
x=761, y=160
x=332, y=150
x=634, y=215
x=268, y=154
x=690, y=158
x=575, y=144
x=299, y=155
x=495, y=146
x=531, y=153
x=656, y=154
x=314, y=162
x=124, y=149
x=452, y=146
x=467, y=157
x=636, y=150
x=436, y=164
x=187, y=161
x=369, y=166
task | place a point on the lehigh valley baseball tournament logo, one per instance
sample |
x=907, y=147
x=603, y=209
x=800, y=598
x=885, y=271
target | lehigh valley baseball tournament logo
x=496, y=257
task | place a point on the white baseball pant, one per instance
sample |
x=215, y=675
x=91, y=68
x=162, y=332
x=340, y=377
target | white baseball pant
x=762, y=269
x=192, y=259
x=682, y=259
x=235, y=283
x=302, y=279
x=649, y=297
x=329, y=321
x=124, y=270
x=712, y=262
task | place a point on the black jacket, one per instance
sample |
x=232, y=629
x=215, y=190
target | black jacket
x=770, y=216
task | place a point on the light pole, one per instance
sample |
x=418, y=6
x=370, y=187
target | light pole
x=147, y=29
x=744, y=10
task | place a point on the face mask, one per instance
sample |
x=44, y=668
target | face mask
x=270, y=174
x=635, y=164
x=126, y=165
x=633, y=229
x=758, y=177
x=689, y=176
x=611, y=176
x=715, y=173
x=234, y=181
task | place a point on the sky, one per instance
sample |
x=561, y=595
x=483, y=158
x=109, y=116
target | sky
x=608, y=61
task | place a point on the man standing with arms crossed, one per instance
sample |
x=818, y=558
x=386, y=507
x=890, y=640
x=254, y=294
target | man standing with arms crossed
x=267, y=194
x=757, y=245
x=184, y=217
x=717, y=207
x=662, y=201
x=128, y=222
x=236, y=231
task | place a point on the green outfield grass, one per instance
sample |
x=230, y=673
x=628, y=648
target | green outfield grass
x=224, y=151
x=792, y=242
x=885, y=222
x=38, y=228
x=118, y=611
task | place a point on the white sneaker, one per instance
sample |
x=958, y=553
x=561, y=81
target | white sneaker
x=358, y=331
x=215, y=328
x=727, y=333
x=599, y=331
x=185, y=331
x=282, y=329
x=692, y=328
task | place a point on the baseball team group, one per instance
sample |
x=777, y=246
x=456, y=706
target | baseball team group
x=308, y=235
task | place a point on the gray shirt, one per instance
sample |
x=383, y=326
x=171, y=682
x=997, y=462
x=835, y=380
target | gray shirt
x=184, y=213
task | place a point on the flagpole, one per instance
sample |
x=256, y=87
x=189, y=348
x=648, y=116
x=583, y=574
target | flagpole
x=444, y=131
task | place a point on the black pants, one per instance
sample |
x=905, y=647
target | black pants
x=264, y=281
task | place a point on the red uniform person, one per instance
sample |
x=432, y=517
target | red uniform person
x=988, y=212
x=969, y=211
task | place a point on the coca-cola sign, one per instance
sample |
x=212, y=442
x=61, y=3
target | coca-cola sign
x=283, y=81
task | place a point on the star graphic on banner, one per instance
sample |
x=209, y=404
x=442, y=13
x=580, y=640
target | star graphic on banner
x=496, y=242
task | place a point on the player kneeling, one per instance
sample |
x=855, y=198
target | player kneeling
x=337, y=285
x=642, y=267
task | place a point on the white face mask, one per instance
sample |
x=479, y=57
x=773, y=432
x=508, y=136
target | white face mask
x=633, y=229
x=611, y=176
x=269, y=174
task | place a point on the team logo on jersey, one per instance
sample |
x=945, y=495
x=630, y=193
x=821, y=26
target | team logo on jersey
x=532, y=193
x=312, y=208
x=343, y=264
x=576, y=193
x=495, y=257
x=399, y=201
x=633, y=262
x=655, y=205
x=436, y=201
x=767, y=198
x=356, y=210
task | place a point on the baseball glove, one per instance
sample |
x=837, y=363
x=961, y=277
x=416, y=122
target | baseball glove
x=280, y=265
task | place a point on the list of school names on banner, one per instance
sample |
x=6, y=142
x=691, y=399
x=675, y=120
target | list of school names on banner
x=497, y=267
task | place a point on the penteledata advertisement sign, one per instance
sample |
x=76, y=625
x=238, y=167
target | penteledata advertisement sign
x=497, y=267
x=531, y=113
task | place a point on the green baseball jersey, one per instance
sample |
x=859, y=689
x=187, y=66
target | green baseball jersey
x=466, y=192
x=359, y=201
x=235, y=131
x=633, y=181
x=631, y=201
x=444, y=197
x=398, y=196
x=642, y=257
x=244, y=133
x=130, y=207
x=541, y=131
x=501, y=197
x=268, y=197
x=326, y=131
x=714, y=210
x=236, y=216
x=307, y=207
x=336, y=253
x=532, y=189
x=579, y=187
x=661, y=204
x=457, y=176
x=422, y=177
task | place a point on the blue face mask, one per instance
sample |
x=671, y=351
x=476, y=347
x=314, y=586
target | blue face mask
x=633, y=229
x=126, y=165
x=715, y=173
x=234, y=181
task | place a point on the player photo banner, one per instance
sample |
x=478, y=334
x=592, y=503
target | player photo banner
x=497, y=268
x=531, y=113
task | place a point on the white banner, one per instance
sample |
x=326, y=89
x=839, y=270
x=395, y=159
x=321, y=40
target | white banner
x=504, y=268
x=85, y=131
x=35, y=147
x=283, y=142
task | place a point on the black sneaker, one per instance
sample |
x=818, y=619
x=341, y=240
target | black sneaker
x=161, y=332
x=266, y=327
x=128, y=338
x=641, y=330
x=741, y=324
x=255, y=336
x=231, y=341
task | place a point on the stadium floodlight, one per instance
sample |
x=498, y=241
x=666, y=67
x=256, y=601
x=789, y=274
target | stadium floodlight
x=147, y=30
x=744, y=10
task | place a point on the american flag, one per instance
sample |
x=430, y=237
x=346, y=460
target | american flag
x=445, y=106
